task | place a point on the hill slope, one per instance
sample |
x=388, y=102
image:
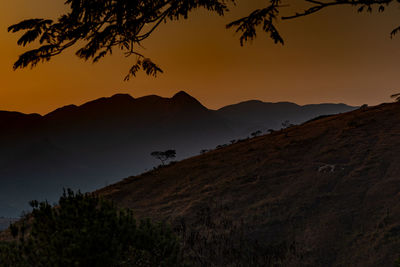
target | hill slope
x=330, y=186
x=89, y=146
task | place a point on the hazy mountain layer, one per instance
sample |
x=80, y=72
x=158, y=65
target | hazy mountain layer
x=89, y=146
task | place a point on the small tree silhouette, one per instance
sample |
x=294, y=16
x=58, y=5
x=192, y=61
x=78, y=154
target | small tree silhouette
x=164, y=156
x=256, y=133
x=287, y=124
x=203, y=151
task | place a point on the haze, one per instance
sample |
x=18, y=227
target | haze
x=328, y=57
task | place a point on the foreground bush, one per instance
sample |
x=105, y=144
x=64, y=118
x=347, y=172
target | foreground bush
x=85, y=230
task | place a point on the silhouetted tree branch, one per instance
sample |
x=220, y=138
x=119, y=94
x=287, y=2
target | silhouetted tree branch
x=101, y=26
x=268, y=16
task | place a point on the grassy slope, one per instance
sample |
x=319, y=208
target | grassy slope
x=272, y=185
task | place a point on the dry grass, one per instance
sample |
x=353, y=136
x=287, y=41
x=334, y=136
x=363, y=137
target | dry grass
x=273, y=192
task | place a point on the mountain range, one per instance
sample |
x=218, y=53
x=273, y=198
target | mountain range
x=89, y=146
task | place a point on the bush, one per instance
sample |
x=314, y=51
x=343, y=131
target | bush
x=85, y=230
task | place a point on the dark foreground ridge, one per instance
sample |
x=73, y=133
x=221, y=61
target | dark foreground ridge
x=329, y=189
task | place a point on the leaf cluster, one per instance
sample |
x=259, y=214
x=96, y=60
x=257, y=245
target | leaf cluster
x=103, y=25
x=266, y=17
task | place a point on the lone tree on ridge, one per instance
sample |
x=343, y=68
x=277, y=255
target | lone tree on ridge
x=164, y=156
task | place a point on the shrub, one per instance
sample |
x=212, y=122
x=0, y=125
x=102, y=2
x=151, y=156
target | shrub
x=203, y=151
x=86, y=230
x=256, y=133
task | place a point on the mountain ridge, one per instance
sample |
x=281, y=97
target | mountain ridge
x=96, y=143
x=177, y=95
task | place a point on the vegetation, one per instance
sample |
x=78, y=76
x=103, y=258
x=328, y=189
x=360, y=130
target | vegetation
x=221, y=146
x=287, y=124
x=256, y=133
x=99, y=27
x=203, y=151
x=164, y=156
x=85, y=230
x=214, y=238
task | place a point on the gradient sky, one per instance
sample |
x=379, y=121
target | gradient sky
x=335, y=56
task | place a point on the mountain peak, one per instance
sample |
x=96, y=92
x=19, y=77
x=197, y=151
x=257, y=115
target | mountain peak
x=122, y=97
x=183, y=99
x=182, y=95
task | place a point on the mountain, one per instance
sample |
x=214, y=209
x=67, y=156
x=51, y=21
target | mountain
x=255, y=115
x=329, y=190
x=89, y=146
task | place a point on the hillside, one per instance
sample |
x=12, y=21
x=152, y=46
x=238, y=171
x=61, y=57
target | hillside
x=89, y=146
x=329, y=189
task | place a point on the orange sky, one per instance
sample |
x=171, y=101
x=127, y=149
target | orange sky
x=335, y=56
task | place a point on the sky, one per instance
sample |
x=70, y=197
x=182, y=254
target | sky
x=335, y=56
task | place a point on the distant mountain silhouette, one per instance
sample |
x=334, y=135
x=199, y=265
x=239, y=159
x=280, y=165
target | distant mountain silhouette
x=255, y=115
x=86, y=147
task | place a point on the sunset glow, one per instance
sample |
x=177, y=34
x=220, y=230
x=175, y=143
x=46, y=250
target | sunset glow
x=350, y=59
